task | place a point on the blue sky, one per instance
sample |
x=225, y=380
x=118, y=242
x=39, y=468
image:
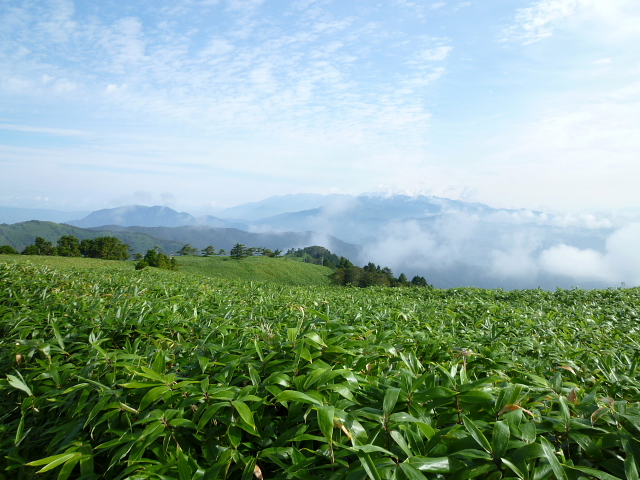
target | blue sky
x=212, y=103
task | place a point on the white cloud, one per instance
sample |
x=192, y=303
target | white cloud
x=64, y=85
x=538, y=21
x=436, y=54
x=619, y=263
x=609, y=20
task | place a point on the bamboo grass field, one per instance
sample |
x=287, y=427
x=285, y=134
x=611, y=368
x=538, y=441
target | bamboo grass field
x=107, y=372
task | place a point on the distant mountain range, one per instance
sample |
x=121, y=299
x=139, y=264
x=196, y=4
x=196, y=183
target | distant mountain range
x=171, y=239
x=449, y=242
x=280, y=204
x=139, y=216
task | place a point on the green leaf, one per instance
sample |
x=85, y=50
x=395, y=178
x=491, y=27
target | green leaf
x=325, y=421
x=370, y=449
x=403, y=417
x=245, y=412
x=390, y=399
x=152, y=395
x=184, y=469
x=477, y=435
x=294, y=396
x=19, y=384
x=630, y=469
x=56, y=331
x=402, y=443
x=53, y=461
x=550, y=455
x=476, y=396
x=513, y=468
x=436, y=464
x=594, y=473
x=67, y=468
x=249, y=469
x=564, y=409
x=235, y=436
x=369, y=466
x=500, y=439
x=412, y=472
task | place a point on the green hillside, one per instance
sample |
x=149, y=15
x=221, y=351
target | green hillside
x=19, y=235
x=258, y=269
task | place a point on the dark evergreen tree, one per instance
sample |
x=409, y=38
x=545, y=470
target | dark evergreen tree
x=188, y=250
x=239, y=251
x=106, y=248
x=419, y=281
x=68, y=246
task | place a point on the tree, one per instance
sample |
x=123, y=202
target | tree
x=419, y=281
x=69, y=246
x=188, y=250
x=239, y=251
x=402, y=279
x=155, y=258
x=31, y=250
x=141, y=264
x=107, y=248
x=208, y=251
x=40, y=247
x=8, y=250
x=222, y=252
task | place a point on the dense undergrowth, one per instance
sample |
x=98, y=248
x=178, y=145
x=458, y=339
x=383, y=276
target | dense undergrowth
x=120, y=374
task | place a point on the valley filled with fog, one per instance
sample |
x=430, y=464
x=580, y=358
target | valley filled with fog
x=451, y=243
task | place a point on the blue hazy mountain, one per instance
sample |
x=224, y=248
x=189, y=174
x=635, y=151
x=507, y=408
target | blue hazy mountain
x=279, y=204
x=141, y=216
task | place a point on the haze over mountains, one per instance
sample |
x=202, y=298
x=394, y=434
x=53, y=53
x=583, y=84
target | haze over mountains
x=450, y=242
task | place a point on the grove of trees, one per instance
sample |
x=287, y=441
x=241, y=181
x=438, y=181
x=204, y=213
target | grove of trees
x=347, y=273
x=107, y=248
x=155, y=258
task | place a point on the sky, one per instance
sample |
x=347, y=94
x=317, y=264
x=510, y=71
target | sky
x=204, y=104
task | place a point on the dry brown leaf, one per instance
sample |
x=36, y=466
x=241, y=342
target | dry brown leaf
x=257, y=473
x=573, y=397
x=597, y=414
x=19, y=358
x=339, y=425
x=511, y=407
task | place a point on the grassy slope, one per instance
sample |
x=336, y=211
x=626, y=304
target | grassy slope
x=258, y=269
x=262, y=269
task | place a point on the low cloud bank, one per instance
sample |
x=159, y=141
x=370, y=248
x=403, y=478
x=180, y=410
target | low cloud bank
x=466, y=250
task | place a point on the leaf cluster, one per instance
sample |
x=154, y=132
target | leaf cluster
x=143, y=375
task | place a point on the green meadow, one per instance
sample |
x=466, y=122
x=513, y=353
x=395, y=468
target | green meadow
x=207, y=373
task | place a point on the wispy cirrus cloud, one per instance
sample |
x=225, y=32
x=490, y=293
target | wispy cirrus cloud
x=47, y=130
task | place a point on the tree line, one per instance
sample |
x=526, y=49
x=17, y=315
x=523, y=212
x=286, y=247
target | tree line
x=105, y=248
x=370, y=275
x=111, y=248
